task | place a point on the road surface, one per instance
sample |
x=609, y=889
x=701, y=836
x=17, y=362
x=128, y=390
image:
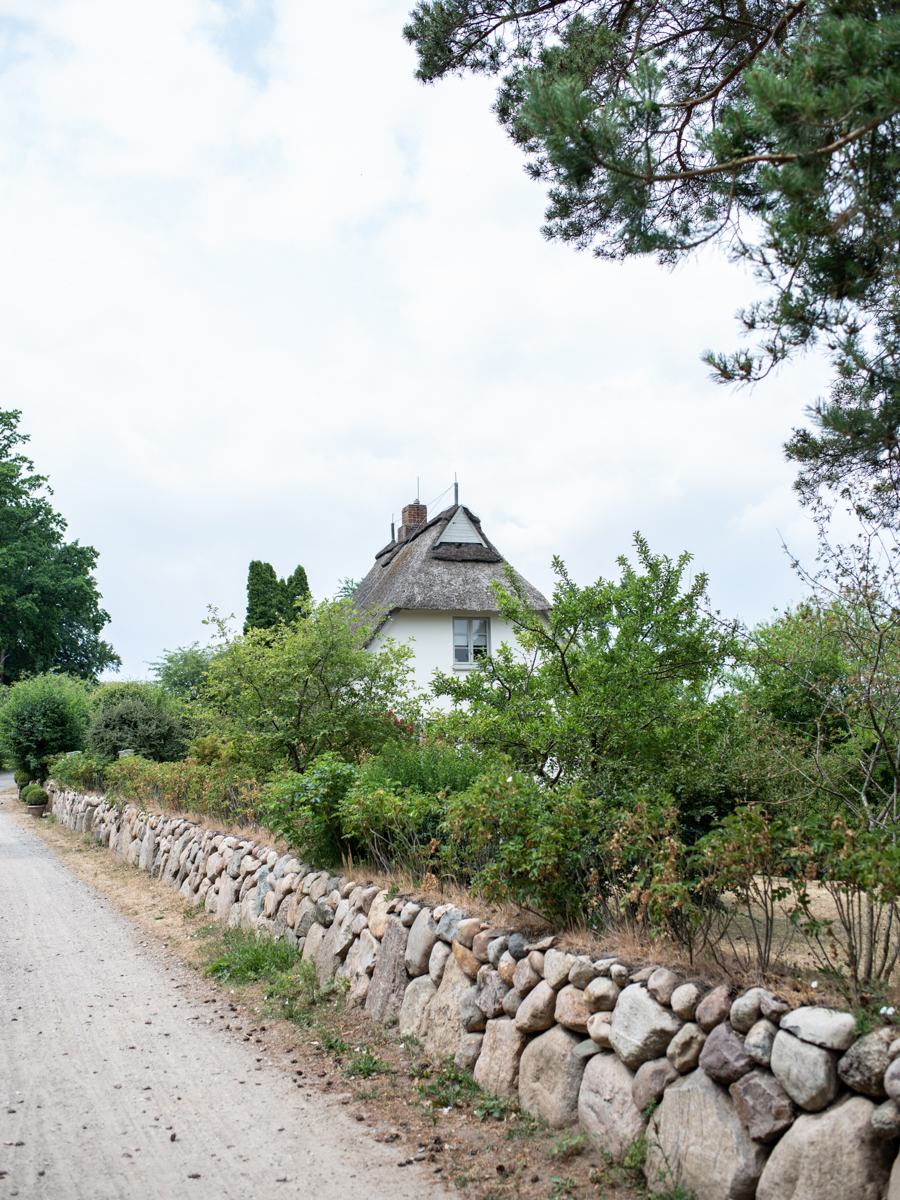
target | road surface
x=117, y=1081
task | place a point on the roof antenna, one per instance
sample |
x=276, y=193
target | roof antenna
x=455, y=490
x=393, y=535
x=417, y=489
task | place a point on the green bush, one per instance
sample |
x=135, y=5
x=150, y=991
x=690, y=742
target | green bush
x=22, y=778
x=34, y=794
x=306, y=810
x=42, y=717
x=81, y=772
x=530, y=845
x=132, y=722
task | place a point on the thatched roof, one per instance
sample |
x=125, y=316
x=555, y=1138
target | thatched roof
x=428, y=570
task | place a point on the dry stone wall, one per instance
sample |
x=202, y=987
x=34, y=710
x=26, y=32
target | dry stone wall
x=732, y=1096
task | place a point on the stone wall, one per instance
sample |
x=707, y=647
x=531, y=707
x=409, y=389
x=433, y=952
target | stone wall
x=732, y=1096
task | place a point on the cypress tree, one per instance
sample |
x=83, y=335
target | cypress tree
x=263, y=595
x=294, y=590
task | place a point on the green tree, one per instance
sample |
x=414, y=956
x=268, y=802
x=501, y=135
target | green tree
x=284, y=695
x=133, y=722
x=50, y=615
x=771, y=129
x=614, y=691
x=42, y=717
x=270, y=599
x=182, y=672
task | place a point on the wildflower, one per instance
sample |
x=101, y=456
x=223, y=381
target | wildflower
x=814, y=984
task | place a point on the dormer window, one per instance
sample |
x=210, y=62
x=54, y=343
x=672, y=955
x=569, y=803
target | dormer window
x=470, y=641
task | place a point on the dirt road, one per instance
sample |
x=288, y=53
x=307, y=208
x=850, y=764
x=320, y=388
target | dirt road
x=118, y=1080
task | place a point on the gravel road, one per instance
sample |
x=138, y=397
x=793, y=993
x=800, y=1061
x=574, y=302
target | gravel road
x=115, y=1081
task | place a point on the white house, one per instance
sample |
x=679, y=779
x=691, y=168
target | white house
x=432, y=584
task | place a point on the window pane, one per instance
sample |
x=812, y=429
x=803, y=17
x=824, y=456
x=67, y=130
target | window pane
x=461, y=654
x=460, y=626
x=479, y=639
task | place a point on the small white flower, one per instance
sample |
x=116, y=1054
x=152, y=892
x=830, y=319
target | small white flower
x=814, y=984
x=509, y=779
x=882, y=1010
x=890, y=1011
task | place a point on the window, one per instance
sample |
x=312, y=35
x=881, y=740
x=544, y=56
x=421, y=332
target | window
x=470, y=641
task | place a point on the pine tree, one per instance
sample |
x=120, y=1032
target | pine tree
x=769, y=128
x=263, y=596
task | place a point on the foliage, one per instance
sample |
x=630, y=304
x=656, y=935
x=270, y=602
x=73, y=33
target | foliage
x=182, y=672
x=81, y=772
x=752, y=853
x=270, y=599
x=285, y=695
x=222, y=790
x=530, y=844
x=860, y=870
x=50, y=615
x=306, y=810
x=770, y=130
x=43, y=716
x=364, y=1064
x=451, y=1086
x=21, y=778
x=614, y=689
x=247, y=958
x=131, y=723
x=827, y=678
x=33, y=794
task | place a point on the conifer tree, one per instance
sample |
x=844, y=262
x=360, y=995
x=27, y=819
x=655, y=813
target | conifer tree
x=263, y=596
x=769, y=127
x=270, y=599
x=294, y=591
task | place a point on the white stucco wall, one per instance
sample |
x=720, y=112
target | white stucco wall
x=430, y=633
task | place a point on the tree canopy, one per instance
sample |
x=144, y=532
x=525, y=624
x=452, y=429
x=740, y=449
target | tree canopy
x=768, y=126
x=50, y=614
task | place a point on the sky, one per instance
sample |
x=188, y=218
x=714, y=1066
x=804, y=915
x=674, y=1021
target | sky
x=257, y=282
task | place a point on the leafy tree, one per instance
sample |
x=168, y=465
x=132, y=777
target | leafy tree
x=270, y=599
x=614, y=691
x=42, y=717
x=769, y=128
x=284, y=695
x=50, y=615
x=132, y=722
x=182, y=672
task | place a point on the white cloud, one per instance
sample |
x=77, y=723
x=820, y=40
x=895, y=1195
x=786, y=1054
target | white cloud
x=257, y=280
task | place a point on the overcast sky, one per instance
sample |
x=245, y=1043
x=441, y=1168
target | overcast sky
x=256, y=280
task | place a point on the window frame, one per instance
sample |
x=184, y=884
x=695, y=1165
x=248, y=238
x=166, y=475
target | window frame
x=471, y=621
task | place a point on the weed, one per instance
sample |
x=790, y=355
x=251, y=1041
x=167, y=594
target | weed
x=364, y=1064
x=567, y=1145
x=333, y=1042
x=367, y=1093
x=451, y=1086
x=247, y=958
x=523, y=1125
x=562, y=1187
x=496, y=1107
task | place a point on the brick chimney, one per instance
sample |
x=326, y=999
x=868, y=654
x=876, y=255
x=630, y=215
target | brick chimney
x=414, y=516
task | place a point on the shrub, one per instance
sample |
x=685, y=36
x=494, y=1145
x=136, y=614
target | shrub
x=34, y=794
x=306, y=810
x=132, y=723
x=22, y=778
x=535, y=845
x=81, y=772
x=42, y=717
x=219, y=790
